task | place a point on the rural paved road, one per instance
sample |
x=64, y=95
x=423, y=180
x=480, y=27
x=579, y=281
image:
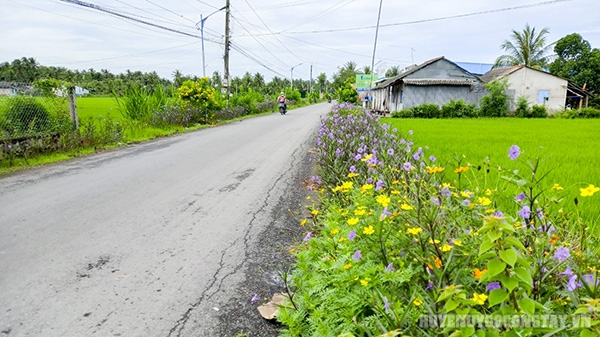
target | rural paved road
x=148, y=240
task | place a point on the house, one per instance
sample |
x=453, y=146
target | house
x=9, y=89
x=438, y=81
x=539, y=87
x=475, y=68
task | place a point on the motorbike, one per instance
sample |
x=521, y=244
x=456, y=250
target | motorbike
x=328, y=99
x=282, y=108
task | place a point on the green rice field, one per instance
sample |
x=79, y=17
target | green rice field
x=570, y=150
x=97, y=107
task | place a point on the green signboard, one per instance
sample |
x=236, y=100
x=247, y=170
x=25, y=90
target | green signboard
x=364, y=82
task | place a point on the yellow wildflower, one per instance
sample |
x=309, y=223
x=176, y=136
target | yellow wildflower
x=417, y=302
x=367, y=157
x=448, y=185
x=383, y=200
x=461, y=169
x=360, y=211
x=366, y=187
x=457, y=243
x=395, y=192
x=414, y=231
x=436, y=241
x=557, y=187
x=308, y=197
x=364, y=282
x=352, y=221
x=396, y=182
x=352, y=175
x=488, y=192
x=435, y=169
x=342, y=239
x=484, y=201
x=303, y=222
x=347, y=266
x=347, y=185
x=589, y=191
x=479, y=298
x=466, y=194
x=368, y=230
x=406, y=207
x=314, y=212
x=334, y=231
x=438, y=262
x=446, y=247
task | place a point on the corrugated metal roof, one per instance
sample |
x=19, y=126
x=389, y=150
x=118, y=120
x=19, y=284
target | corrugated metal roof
x=498, y=73
x=397, y=78
x=437, y=81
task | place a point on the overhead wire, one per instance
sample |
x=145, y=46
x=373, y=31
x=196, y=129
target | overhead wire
x=147, y=11
x=261, y=44
x=170, y=11
x=325, y=12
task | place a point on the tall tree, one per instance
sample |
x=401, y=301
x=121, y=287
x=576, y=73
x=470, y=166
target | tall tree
x=347, y=72
x=527, y=47
x=577, y=61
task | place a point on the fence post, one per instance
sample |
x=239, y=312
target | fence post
x=73, y=107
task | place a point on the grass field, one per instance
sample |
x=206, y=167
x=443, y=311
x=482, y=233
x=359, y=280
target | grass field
x=571, y=149
x=97, y=106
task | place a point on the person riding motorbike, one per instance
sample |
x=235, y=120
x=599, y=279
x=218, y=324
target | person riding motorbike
x=282, y=101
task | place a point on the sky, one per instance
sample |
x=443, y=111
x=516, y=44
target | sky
x=277, y=38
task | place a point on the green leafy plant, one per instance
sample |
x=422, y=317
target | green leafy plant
x=496, y=103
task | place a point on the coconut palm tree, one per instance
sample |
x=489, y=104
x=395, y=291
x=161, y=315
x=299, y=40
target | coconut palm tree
x=393, y=71
x=527, y=48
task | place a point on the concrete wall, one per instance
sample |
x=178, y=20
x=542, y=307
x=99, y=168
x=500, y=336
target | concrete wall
x=414, y=95
x=529, y=82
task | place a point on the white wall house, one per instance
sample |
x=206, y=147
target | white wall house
x=539, y=87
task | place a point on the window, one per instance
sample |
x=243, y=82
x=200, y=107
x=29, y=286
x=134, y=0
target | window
x=543, y=96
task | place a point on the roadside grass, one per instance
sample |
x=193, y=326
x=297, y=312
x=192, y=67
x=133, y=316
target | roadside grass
x=570, y=150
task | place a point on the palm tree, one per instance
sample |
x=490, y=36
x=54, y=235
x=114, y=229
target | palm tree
x=393, y=71
x=527, y=48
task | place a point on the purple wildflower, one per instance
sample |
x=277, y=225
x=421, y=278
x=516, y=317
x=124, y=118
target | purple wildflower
x=520, y=197
x=445, y=192
x=432, y=158
x=525, y=212
x=357, y=255
x=561, y=254
x=514, y=152
x=351, y=235
x=572, y=284
x=498, y=214
x=390, y=152
x=307, y=237
x=435, y=201
x=429, y=285
x=352, y=169
x=407, y=166
x=255, y=298
x=493, y=286
x=379, y=185
x=357, y=157
x=589, y=280
x=385, y=213
x=410, y=132
x=338, y=152
x=390, y=267
x=466, y=202
x=386, y=304
x=416, y=156
x=369, y=180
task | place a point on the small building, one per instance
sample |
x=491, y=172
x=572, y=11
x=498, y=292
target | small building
x=9, y=89
x=437, y=81
x=539, y=87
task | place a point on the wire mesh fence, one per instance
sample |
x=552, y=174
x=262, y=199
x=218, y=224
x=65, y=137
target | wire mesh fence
x=26, y=112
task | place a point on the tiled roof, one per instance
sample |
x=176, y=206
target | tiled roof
x=437, y=81
x=497, y=73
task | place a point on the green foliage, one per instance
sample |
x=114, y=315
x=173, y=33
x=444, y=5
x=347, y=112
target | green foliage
x=427, y=110
x=405, y=113
x=458, y=109
x=496, y=103
x=539, y=111
x=522, y=110
x=138, y=103
x=578, y=113
x=347, y=93
x=527, y=47
x=577, y=61
x=314, y=97
x=23, y=116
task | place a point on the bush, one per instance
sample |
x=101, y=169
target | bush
x=579, y=113
x=138, y=103
x=406, y=113
x=539, y=111
x=495, y=104
x=25, y=116
x=458, y=109
x=523, y=110
x=427, y=110
x=347, y=93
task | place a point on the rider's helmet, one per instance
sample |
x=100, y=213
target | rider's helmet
x=282, y=93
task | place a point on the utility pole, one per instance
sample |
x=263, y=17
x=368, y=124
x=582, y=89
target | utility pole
x=310, y=84
x=202, y=20
x=292, y=76
x=226, y=56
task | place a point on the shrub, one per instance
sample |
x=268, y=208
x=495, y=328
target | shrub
x=458, y=109
x=496, y=103
x=406, y=113
x=138, y=103
x=539, y=111
x=347, y=93
x=25, y=116
x=427, y=110
x=523, y=110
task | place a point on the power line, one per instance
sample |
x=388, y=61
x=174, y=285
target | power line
x=260, y=43
x=170, y=11
x=255, y=59
x=539, y=4
x=102, y=9
x=147, y=11
x=325, y=12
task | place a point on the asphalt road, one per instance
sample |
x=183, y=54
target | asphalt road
x=148, y=240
